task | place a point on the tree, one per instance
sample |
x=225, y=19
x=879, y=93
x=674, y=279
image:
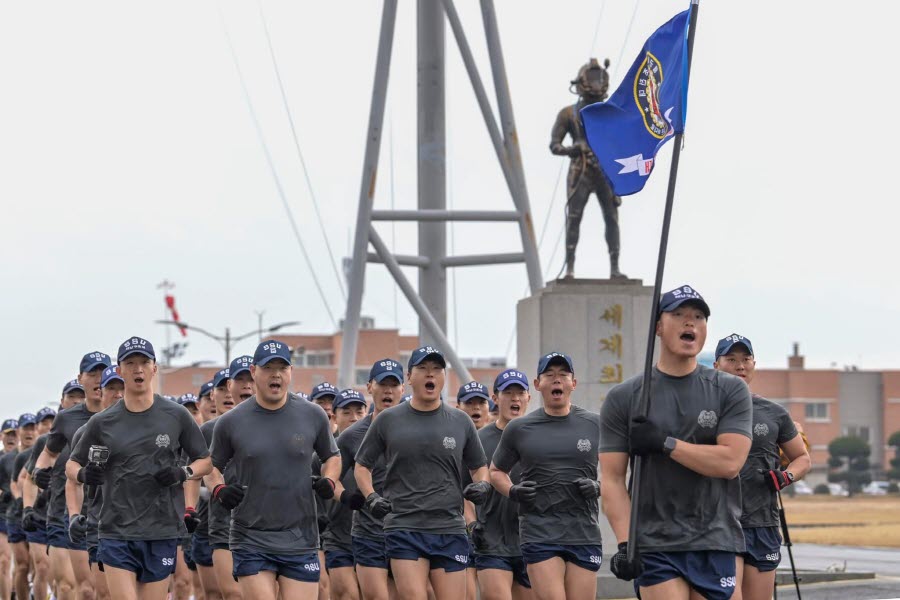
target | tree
x=894, y=442
x=849, y=462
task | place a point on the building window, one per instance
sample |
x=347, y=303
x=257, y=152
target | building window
x=817, y=411
x=314, y=359
x=858, y=431
x=197, y=379
x=362, y=377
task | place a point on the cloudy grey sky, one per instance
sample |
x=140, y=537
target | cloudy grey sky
x=128, y=156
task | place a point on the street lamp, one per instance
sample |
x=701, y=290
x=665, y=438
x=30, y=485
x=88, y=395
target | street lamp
x=227, y=340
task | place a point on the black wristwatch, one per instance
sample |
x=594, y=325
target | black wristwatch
x=188, y=471
x=669, y=446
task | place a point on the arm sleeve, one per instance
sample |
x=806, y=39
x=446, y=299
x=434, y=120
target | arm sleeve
x=17, y=467
x=80, y=449
x=220, y=448
x=56, y=441
x=38, y=448
x=326, y=447
x=347, y=461
x=372, y=445
x=614, y=421
x=473, y=453
x=737, y=410
x=786, y=428
x=192, y=442
x=507, y=455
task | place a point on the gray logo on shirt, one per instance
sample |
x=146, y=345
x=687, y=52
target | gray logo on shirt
x=761, y=429
x=707, y=419
x=584, y=445
x=162, y=440
x=450, y=443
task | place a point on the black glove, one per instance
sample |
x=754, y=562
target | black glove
x=41, y=477
x=524, y=492
x=77, y=529
x=169, y=476
x=30, y=520
x=476, y=533
x=353, y=500
x=92, y=474
x=228, y=496
x=191, y=520
x=42, y=499
x=589, y=488
x=623, y=569
x=646, y=437
x=478, y=492
x=377, y=506
x=6, y=496
x=777, y=480
x=324, y=487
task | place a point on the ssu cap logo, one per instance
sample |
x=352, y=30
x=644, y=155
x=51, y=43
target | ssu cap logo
x=272, y=347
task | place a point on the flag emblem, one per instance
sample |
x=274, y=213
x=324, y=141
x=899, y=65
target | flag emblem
x=647, y=82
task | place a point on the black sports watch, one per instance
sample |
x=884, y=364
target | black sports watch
x=669, y=446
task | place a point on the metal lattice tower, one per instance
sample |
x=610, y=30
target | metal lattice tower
x=430, y=302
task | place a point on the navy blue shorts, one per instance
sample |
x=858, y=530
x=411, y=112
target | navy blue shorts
x=336, y=559
x=201, y=551
x=516, y=564
x=710, y=572
x=300, y=567
x=82, y=545
x=92, y=556
x=186, y=554
x=3, y=528
x=14, y=533
x=370, y=553
x=763, y=548
x=57, y=536
x=37, y=537
x=446, y=551
x=149, y=560
x=588, y=556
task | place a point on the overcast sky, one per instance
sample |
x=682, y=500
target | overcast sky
x=128, y=155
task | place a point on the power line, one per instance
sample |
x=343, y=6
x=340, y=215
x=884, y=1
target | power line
x=309, y=187
x=271, y=163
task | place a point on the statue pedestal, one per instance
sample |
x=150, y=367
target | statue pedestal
x=601, y=323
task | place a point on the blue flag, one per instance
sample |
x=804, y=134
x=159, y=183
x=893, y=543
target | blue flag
x=646, y=111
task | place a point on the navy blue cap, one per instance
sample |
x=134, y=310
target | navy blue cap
x=110, y=375
x=270, y=350
x=405, y=398
x=45, y=413
x=9, y=425
x=219, y=378
x=510, y=377
x=346, y=397
x=303, y=396
x=727, y=343
x=554, y=358
x=27, y=419
x=385, y=368
x=426, y=352
x=188, y=399
x=472, y=390
x=135, y=345
x=205, y=389
x=72, y=386
x=675, y=298
x=239, y=365
x=492, y=406
x=323, y=389
x=92, y=360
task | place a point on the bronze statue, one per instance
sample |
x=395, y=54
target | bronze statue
x=585, y=174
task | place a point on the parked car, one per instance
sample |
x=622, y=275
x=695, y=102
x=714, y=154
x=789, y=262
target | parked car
x=836, y=489
x=801, y=488
x=876, y=488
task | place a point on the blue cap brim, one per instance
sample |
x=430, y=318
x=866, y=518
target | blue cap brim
x=730, y=346
x=96, y=364
x=322, y=394
x=472, y=395
x=436, y=356
x=266, y=360
x=385, y=374
x=701, y=303
x=238, y=372
x=346, y=403
x=556, y=360
x=510, y=382
x=103, y=384
x=149, y=355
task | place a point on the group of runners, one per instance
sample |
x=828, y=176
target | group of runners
x=249, y=490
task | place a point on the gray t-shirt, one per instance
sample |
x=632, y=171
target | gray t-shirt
x=270, y=452
x=14, y=512
x=43, y=497
x=59, y=440
x=217, y=525
x=554, y=452
x=7, y=460
x=364, y=524
x=681, y=510
x=425, y=453
x=772, y=426
x=498, y=516
x=135, y=506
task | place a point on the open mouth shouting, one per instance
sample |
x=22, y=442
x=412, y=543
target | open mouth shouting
x=515, y=408
x=275, y=387
x=557, y=393
x=430, y=386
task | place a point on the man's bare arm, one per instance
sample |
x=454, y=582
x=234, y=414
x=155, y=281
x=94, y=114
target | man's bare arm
x=723, y=459
x=614, y=497
x=500, y=480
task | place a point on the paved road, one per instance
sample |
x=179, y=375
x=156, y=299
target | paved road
x=883, y=588
x=879, y=560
